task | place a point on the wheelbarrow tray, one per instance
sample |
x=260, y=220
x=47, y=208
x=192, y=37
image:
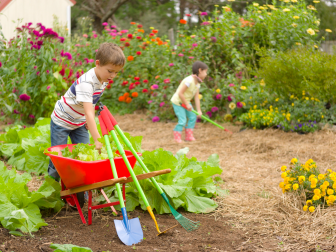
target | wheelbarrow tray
x=76, y=173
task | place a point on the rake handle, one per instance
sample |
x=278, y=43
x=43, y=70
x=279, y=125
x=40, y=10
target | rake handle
x=207, y=119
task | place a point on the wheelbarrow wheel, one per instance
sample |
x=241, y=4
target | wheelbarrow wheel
x=80, y=198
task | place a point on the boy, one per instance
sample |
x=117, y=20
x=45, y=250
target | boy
x=74, y=113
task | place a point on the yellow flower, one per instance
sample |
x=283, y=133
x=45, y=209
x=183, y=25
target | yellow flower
x=295, y=187
x=283, y=168
x=328, y=30
x=317, y=22
x=243, y=87
x=228, y=117
x=330, y=191
x=294, y=161
x=320, y=176
x=287, y=187
x=269, y=13
x=302, y=179
x=322, y=116
x=216, y=5
x=326, y=183
x=315, y=46
x=232, y=105
x=311, y=209
x=244, y=104
x=309, y=202
x=294, y=1
x=311, y=7
x=262, y=82
x=255, y=4
x=316, y=197
x=200, y=96
x=317, y=191
x=286, y=10
x=313, y=185
x=316, y=1
x=284, y=175
x=218, y=90
x=277, y=99
x=282, y=185
x=286, y=1
x=152, y=28
x=294, y=25
x=297, y=43
x=311, y=31
x=305, y=208
x=296, y=17
x=192, y=36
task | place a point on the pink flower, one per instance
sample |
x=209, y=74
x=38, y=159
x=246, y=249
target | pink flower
x=161, y=104
x=214, y=109
x=38, y=73
x=209, y=113
x=155, y=86
x=104, y=24
x=123, y=31
x=32, y=116
x=204, y=14
x=58, y=94
x=229, y=98
x=85, y=35
x=149, y=102
x=35, y=67
x=156, y=119
x=91, y=60
x=48, y=87
x=205, y=23
x=113, y=26
x=239, y=105
x=138, y=53
x=218, y=96
x=171, y=64
x=181, y=54
x=24, y=126
x=194, y=45
x=95, y=35
x=0, y=64
x=213, y=39
x=166, y=81
x=47, y=71
x=68, y=55
x=54, y=59
x=61, y=39
x=191, y=57
x=77, y=44
x=231, y=85
x=16, y=112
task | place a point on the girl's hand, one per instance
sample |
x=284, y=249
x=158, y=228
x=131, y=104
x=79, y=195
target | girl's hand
x=99, y=145
x=199, y=114
x=189, y=107
x=86, y=126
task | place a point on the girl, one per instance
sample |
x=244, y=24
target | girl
x=188, y=88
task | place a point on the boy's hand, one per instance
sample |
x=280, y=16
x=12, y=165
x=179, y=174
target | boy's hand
x=86, y=126
x=99, y=145
x=189, y=107
x=199, y=114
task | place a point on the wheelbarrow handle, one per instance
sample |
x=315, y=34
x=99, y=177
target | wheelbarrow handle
x=207, y=119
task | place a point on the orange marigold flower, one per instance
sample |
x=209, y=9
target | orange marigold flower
x=126, y=95
x=128, y=99
x=182, y=21
x=130, y=58
x=133, y=23
x=152, y=40
x=135, y=94
x=155, y=31
x=121, y=98
x=158, y=39
x=141, y=30
x=157, y=77
x=160, y=43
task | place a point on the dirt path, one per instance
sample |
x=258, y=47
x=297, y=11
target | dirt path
x=254, y=217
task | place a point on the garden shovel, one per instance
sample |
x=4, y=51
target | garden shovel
x=187, y=224
x=207, y=119
x=105, y=116
x=129, y=231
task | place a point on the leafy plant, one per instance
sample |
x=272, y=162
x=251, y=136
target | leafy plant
x=68, y=248
x=189, y=185
x=20, y=208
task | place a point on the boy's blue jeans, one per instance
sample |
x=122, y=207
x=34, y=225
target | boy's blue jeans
x=59, y=135
x=182, y=115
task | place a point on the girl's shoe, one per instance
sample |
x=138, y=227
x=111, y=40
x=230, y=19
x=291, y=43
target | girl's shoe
x=177, y=136
x=189, y=135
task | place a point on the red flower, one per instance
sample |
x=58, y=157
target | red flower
x=140, y=26
x=131, y=86
x=133, y=23
x=127, y=44
x=129, y=36
x=108, y=86
x=110, y=81
x=138, y=37
x=130, y=58
x=155, y=31
x=136, y=78
x=145, y=90
x=137, y=83
x=122, y=39
x=151, y=34
x=96, y=107
x=124, y=83
x=138, y=53
x=145, y=81
x=188, y=15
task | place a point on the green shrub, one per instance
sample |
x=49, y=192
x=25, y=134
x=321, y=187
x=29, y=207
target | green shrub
x=300, y=72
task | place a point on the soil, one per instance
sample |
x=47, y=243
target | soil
x=251, y=161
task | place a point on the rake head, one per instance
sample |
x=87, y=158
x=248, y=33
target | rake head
x=188, y=225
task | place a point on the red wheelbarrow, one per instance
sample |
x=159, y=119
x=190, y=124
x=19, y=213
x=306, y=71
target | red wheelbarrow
x=80, y=176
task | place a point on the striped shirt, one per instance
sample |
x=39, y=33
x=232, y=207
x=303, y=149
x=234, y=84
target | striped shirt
x=69, y=110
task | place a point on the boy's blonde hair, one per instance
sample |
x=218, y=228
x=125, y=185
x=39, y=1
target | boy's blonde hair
x=110, y=53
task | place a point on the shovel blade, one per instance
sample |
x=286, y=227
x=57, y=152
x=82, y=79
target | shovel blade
x=132, y=236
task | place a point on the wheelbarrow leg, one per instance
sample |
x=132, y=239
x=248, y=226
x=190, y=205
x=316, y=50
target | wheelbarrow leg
x=108, y=201
x=89, y=208
x=74, y=197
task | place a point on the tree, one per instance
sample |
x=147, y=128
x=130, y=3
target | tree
x=101, y=11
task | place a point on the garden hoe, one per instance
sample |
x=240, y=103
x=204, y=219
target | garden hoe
x=187, y=224
x=129, y=231
x=207, y=119
x=107, y=120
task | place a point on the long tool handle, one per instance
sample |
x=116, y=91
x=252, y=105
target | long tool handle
x=110, y=127
x=114, y=170
x=207, y=119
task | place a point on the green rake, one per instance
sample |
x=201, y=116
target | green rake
x=187, y=224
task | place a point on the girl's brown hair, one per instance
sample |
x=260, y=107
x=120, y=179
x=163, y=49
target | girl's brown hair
x=198, y=65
